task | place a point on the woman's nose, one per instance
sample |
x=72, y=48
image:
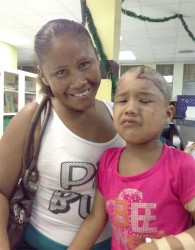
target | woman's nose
x=78, y=79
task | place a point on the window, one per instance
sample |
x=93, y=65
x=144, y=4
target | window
x=124, y=68
x=189, y=72
x=189, y=79
x=167, y=71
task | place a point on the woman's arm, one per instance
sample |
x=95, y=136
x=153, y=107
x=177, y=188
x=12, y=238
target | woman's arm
x=4, y=208
x=92, y=225
x=11, y=152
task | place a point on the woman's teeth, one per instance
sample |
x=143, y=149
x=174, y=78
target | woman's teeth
x=81, y=94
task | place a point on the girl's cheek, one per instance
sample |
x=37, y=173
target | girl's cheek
x=150, y=112
x=153, y=111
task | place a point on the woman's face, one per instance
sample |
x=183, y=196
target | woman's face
x=140, y=110
x=72, y=70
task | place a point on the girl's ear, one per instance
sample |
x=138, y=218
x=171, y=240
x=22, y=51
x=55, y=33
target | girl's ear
x=42, y=76
x=170, y=112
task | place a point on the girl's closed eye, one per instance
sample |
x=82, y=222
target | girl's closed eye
x=121, y=100
x=145, y=101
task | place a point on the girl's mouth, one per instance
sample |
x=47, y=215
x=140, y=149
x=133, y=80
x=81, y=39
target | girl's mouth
x=130, y=122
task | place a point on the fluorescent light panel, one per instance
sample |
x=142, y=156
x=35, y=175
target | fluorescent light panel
x=126, y=55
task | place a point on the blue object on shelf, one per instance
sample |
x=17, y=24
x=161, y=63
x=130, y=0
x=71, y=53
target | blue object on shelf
x=182, y=102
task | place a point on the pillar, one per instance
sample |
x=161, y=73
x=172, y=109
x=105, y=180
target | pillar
x=8, y=56
x=177, y=80
x=106, y=16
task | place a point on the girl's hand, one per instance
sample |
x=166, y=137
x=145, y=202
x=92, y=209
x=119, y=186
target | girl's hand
x=147, y=246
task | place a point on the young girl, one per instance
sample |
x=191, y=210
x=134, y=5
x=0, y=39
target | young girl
x=146, y=188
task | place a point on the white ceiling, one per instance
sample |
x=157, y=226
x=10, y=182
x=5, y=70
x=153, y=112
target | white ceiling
x=159, y=42
x=150, y=42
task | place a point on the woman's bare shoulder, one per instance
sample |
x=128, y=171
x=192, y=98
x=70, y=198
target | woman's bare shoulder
x=20, y=122
x=11, y=147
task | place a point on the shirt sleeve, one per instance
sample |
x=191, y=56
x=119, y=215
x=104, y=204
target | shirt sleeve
x=101, y=172
x=109, y=106
x=187, y=179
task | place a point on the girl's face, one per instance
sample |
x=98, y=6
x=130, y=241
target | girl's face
x=71, y=69
x=140, y=110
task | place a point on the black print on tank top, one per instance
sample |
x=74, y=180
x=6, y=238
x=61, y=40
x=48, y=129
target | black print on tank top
x=60, y=201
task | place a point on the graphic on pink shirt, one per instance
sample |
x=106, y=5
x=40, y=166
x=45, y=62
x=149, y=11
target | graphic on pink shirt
x=147, y=205
x=130, y=218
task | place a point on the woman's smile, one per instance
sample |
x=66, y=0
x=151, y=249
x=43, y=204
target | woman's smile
x=81, y=94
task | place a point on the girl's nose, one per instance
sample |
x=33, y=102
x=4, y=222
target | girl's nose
x=131, y=108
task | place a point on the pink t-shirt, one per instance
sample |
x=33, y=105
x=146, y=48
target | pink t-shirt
x=150, y=204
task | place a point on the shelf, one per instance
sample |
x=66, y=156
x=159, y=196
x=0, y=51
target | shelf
x=9, y=114
x=6, y=121
x=17, y=88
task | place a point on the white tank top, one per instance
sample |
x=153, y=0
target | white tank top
x=67, y=166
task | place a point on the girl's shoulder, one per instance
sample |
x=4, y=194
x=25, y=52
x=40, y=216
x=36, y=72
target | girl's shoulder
x=178, y=155
x=112, y=153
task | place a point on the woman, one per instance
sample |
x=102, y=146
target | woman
x=79, y=129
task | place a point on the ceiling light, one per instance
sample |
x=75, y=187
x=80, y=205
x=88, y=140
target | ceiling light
x=126, y=55
x=185, y=51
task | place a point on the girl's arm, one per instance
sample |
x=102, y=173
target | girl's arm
x=92, y=225
x=182, y=241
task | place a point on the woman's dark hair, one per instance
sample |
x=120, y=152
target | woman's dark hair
x=52, y=29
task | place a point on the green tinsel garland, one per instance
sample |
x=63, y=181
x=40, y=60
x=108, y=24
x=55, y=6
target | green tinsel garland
x=99, y=47
x=160, y=20
x=98, y=43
